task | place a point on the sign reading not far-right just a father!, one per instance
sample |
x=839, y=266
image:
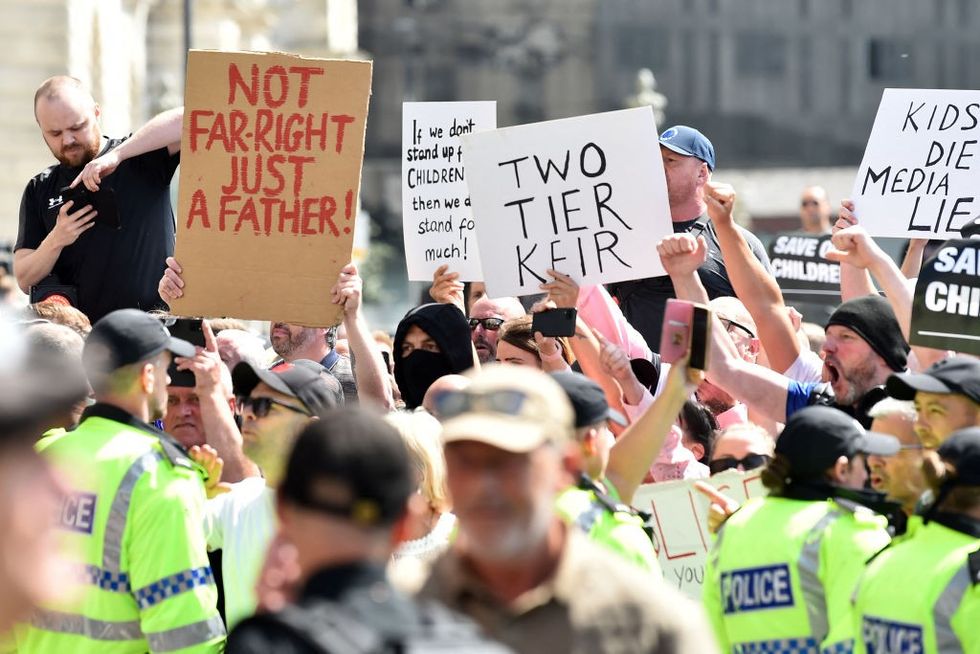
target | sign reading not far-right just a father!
x=920, y=176
x=946, y=305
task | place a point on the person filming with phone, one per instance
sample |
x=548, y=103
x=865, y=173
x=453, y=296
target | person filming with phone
x=97, y=227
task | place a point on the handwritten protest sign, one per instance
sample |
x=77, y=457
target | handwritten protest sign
x=921, y=172
x=270, y=170
x=680, y=515
x=804, y=276
x=585, y=196
x=436, y=216
x=946, y=304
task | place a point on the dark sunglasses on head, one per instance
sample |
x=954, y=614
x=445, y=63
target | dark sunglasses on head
x=490, y=324
x=260, y=406
x=750, y=462
x=453, y=403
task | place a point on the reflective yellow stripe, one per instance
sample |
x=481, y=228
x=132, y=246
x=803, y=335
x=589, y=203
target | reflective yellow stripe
x=80, y=625
x=192, y=634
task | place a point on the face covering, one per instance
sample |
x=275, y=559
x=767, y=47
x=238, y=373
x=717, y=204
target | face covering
x=417, y=371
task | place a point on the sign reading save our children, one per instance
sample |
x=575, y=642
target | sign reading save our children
x=920, y=176
x=437, y=218
x=271, y=159
x=585, y=196
x=946, y=304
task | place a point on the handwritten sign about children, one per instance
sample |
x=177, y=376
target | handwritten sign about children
x=585, y=196
x=946, y=304
x=436, y=214
x=921, y=170
x=271, y=159
x=680, y=517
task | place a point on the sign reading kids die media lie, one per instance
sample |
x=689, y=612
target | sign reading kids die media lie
x=271, y=159
x=436, y=213
x=920, y=176
x=585, y=196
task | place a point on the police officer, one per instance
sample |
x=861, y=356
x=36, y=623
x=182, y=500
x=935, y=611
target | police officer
x=780, y=574
x=922, y=594
x=348, y=488
x=594, y=504
x=132, y=523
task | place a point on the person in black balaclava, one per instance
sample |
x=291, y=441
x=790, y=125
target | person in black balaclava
x=432, y=340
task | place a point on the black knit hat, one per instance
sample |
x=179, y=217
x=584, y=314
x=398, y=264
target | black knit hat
x=873, y=319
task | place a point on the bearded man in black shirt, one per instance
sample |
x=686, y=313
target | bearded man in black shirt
x=113, y=257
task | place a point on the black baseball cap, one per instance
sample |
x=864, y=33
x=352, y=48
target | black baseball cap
x=815, y=437
x=587, y=398
x=125, y=337
x=307, y=381
x=352, y=464
x=956, y=374
x=962, y=449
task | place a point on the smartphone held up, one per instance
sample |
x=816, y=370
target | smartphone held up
x=686, y=328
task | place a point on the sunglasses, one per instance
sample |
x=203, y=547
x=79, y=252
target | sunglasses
x=260, y=406
x=728, y=323
x=453, y=403
x=490, y=324
x=750, y=462
x=808, y=203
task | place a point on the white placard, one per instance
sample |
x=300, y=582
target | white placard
x=680, y=516
x=436, y=216
x=585, y=196
x=920, y=176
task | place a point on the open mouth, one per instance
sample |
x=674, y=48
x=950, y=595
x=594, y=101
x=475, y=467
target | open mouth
x=833, y=372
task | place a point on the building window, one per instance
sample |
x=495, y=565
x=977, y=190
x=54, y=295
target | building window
x=804, y=8
x=642, y=47
x=806, y=75
x=964, y=11
x=889, y=60
x=758, y=54
x=846, y=8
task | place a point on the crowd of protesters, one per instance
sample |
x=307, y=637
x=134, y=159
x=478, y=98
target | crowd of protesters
x=459, y=481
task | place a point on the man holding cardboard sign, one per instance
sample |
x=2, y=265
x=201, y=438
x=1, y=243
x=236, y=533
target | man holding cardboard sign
x=688, y=161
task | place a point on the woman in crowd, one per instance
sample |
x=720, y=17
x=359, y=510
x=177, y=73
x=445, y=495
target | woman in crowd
x=922, y=593
x=517, y=344
x=781, y=571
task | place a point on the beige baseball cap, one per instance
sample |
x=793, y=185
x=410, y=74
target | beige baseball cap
x=512, y=408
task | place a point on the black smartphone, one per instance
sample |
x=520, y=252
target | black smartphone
x=48, y=287
x=103, y=201
x=700, y=337
x=554, y=322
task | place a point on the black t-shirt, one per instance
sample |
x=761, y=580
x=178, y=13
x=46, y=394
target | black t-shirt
x=112, y=269
x=643, y=300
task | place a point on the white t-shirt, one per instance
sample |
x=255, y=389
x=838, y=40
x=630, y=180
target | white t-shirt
x=807, y=367
x=241, y=523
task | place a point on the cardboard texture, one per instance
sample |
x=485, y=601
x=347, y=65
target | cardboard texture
x=680, y=517
x=946, y=304
x=921, y=169
x=586, y=196
x=437, y=219
x=271, y=160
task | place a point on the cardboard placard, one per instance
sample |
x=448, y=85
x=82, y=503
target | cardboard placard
x=680, y=514
x=437, y=219
x=270, y=171
x=946, y=304
x=585, y=196
x=802, y=272
x=921, y=170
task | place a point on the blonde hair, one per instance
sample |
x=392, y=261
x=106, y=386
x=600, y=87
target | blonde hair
x=421, y=432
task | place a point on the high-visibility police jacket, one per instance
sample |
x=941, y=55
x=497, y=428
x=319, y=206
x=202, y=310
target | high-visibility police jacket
x=609, y=522
x=922, y=595
x=780, y=575
x=132, y=527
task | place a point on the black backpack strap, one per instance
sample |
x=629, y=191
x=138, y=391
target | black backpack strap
x=611, y=505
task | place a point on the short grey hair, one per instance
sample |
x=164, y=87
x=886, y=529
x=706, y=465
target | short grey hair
x=889, y=407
